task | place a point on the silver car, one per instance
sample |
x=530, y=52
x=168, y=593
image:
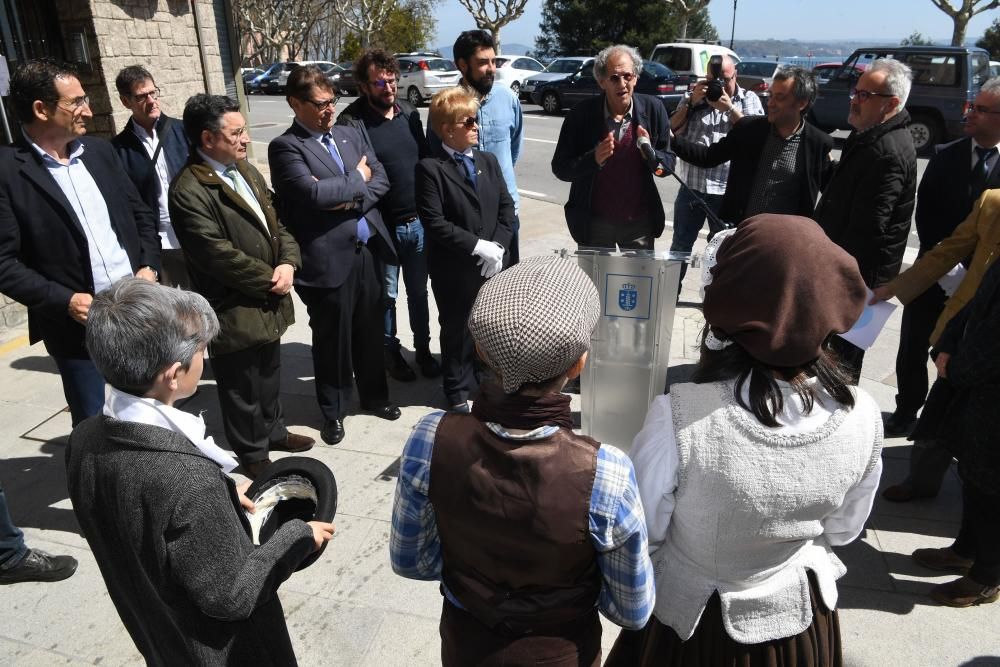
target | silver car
x=422, y=75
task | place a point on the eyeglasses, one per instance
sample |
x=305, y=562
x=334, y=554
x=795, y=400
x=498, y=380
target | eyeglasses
x=75, y=105
x=152, y=96
x=384, y=83
x=618, y=78
x=865, y=95
x=237, y=133
x=322, y=105
x=979, y=108
x=467, y=123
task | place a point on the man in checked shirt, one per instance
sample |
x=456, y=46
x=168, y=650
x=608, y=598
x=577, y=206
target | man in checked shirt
x=531, y=530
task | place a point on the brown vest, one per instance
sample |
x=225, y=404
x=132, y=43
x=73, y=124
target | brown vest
x=513, y=518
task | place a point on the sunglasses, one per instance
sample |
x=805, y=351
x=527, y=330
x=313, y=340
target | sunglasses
x=467, y=123
x=618, y=78
x=865, y=95
x=979, y=108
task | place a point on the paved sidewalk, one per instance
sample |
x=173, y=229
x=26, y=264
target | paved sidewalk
x=349, y=608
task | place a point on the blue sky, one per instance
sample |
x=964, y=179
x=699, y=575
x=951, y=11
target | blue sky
x=883, y=20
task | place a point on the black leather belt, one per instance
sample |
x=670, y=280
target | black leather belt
x=407, y=221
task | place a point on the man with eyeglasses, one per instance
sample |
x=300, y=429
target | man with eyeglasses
x=153, y=149
x=329, y=183
x=394, y=129
x=613, y=201
x=700, y=120
x=71, y=223
x=867, y=206
x=243, y=260
x=958, y=222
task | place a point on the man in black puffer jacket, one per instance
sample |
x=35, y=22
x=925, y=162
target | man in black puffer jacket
x=867, y=206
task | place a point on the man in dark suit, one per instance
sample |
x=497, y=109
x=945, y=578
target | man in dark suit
x=153, y=149
x=328, y=182
x=954, y=179
x=71, y=223
x=613, y=200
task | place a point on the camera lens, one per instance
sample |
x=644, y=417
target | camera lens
x=714, y=90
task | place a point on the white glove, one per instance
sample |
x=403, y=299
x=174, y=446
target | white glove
x=490, y=256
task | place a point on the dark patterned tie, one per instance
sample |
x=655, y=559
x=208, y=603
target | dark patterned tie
x=364, y=231
x=981, y=172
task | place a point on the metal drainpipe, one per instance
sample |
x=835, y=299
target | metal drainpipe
x=201, y=47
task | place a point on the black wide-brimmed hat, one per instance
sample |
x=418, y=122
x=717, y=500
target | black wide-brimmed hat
x=295, y=487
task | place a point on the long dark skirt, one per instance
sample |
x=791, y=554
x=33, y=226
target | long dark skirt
x=710, y=646
x=465, y=641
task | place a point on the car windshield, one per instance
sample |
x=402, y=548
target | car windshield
x=502, y=61
x=674, y=58
x=657, y=70
x=564, y=66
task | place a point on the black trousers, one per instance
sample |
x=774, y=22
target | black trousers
x=919, y=318
x=455, y=294
x=249, y=384
x=979, y=536
x=347, y=338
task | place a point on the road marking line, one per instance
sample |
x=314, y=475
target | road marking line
x=541, y=141
x=13, y=344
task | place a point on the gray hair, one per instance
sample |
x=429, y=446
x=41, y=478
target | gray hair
x=601, y=61
x=898, y=77
x=805, y=83
x=136, y=329
x=992, y=86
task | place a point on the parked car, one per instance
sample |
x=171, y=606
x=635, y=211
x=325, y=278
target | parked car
x=421, y=75
x=273, y=82
x=757, y=76
x=558, y=69
x=513, y=70
x=346, y=84
x=994, y=68
x=253, y=84
x=690, y=58
x=331, y=70
x=555, y=94
x=826, y=71
x=248, y=74
x=945, y=82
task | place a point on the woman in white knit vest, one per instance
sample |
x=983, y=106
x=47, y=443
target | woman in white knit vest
x=750, y=474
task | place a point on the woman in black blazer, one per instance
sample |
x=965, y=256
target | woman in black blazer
x=468, y=219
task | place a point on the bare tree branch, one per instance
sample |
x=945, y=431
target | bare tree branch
x=494, y=14
x=685, y=9
x=363, y=16
x=962, y=14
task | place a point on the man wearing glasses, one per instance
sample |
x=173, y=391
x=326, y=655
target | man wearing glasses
x=329, y=183
x=866, y=207
x=613, y=201
x=394, y=129
x=71, y=223
x=153, y=149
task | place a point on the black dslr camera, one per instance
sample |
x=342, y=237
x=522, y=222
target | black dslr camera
x=714, y=90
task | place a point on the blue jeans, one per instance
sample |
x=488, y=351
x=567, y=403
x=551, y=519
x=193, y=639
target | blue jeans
x=688, y=221
x=12, y=547
x=83, y=386
x=413, y=261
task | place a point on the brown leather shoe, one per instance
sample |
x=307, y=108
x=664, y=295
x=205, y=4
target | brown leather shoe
x=904, y=493
x=295, y=443
x=964, y=592
x=944, y=559
x=255, y=468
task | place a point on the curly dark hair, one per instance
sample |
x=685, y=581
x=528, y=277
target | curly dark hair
x=378, y=57
x=35, y=80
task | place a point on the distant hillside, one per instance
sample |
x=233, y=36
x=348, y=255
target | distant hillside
x=790, y=48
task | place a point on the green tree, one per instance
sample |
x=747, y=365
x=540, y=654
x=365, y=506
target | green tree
x=991, y=40
x=915, y=39
x=408, y=27
x=351, y=48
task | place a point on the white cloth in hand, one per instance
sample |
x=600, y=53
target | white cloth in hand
x=950, y=281
x=490, y=256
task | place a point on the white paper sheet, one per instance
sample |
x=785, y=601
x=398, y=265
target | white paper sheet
x=866, y=330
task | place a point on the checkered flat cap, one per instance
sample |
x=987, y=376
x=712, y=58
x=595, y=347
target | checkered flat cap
x=534, y=320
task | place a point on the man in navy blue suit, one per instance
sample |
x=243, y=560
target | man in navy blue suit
x=71, y=223
x=328, y=183
x=153, y=149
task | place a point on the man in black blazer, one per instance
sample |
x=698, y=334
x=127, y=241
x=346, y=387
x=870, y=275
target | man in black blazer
x=613, y=200
x=955, y=177
x=328, y=182
x=151, y=136
x=71, y=223
x=778, y=163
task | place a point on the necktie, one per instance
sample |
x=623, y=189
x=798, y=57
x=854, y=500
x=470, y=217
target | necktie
x=363, y=231
x=470, y=168
x=246, y=194
x=981, y=172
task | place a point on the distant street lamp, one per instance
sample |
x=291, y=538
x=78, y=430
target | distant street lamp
x=732, y=35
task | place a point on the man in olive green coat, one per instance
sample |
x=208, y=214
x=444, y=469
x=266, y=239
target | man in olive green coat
x=242, y=259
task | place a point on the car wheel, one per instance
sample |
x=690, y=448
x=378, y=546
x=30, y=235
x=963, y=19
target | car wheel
x=926, y=132
x=515, y=88
x=550, y=102
x=414, y=97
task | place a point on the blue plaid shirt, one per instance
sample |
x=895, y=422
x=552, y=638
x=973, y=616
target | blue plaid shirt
x=617, y=524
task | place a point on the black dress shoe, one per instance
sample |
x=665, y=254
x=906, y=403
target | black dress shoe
x=38, y=565
x=295, y=443
x=255, y=468
x=333, y=431
x=429, y=366
x=397, y=367
x=388, y=412
x=896, y=424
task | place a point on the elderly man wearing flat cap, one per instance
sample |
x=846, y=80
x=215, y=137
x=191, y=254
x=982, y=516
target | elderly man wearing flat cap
x=535, y=529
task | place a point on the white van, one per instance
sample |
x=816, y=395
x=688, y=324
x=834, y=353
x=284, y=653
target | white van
x=689, y=58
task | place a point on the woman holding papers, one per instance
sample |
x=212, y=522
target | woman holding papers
x=752, y=472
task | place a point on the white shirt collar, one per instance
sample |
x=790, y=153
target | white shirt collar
x=214, y=164
x=452, y=152
x=75, y=148
x=126, y=407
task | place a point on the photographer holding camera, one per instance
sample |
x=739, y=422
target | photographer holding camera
x=704, y=117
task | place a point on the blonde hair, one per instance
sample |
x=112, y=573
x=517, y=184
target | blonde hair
x=449, y=106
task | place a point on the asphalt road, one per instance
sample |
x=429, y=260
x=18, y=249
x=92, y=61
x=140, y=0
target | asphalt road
x=270, y=116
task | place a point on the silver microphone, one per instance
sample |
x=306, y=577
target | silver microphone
x=646, y=148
